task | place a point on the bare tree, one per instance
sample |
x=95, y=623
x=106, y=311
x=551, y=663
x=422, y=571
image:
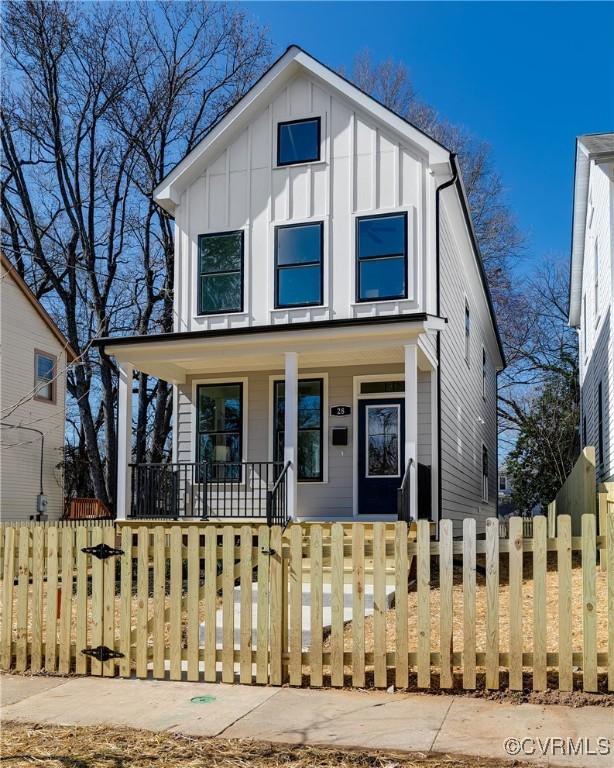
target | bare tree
x=100, y=101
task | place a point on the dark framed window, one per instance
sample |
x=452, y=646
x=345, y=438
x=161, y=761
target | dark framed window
x=600, y=424
x=467, y=333
x=484, y=473
x=219, y=429
x=220, y=273
x=44, y=376
x=502, y=483
x=373, y=387
x=298, y=141
x=484, y=371
x=381, y=257
x=298, y=265
x=310, y=427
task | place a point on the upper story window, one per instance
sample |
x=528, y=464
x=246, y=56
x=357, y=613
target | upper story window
x=484, y=372
x=298, y=265
x=220, y=273
x=381, y=257
x=467, y=332
x=596, y=277
x=298, y=141
x=44, y=376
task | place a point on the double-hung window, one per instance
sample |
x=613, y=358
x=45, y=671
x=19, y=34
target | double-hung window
x=44, y=377
x=298, y=141
x=467, y=333
x=219, y=423
x=310, y=427
x=298, y=265
x=220, y=273
x=484, y=373
x=600, y=456
x=381, y=257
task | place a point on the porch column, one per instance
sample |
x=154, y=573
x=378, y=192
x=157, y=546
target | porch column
x=411, y=423
x=124, y=439
x=291, y=428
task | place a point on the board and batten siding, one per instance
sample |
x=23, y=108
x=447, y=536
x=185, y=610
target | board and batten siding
x=333, y=498
x=468, y=420
x=22, y=331
x=364, y=169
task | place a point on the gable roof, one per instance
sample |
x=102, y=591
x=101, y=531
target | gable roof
x=598, y=148
x=38, y=307
x=294, y=60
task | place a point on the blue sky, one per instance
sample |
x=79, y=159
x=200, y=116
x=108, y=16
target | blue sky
x=526, y=77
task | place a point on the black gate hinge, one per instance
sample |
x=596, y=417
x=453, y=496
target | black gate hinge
x=102, y=551
x=270, y=552
x=102, y=653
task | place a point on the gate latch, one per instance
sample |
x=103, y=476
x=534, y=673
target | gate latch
x=270, y=552
x=102, y=551
x=102, y=653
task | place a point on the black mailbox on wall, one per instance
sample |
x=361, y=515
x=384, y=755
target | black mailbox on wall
x=340, y=436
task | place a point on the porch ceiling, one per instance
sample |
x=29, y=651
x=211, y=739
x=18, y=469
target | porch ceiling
x=174, y=360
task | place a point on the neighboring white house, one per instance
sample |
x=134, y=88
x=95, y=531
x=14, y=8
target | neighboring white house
x=591, y=296
x=33, y=358
x=332, y=318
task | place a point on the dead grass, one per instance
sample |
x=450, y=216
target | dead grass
x=105, y=747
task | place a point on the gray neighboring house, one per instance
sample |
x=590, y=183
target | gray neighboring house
x=34, y=355
x=591, y=295
x=334, y=334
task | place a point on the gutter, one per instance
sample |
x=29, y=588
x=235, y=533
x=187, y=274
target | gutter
x=438, y=192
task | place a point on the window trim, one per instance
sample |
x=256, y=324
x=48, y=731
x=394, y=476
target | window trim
x=281, y=123
x=200, y=275
x=467, y=332
x=39, y=399
x=357, y=259
x=484, y=372
x=277, y=267
x=485, y=477
x=244, y=413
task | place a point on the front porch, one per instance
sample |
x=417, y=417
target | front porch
x=316, y=424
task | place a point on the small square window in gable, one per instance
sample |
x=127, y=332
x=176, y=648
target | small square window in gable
x=298, y=141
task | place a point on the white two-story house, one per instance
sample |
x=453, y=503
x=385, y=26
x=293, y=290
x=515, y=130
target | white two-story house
x=591, y=295
x=335, y=351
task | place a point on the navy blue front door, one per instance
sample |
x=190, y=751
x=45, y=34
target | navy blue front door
x=381, y=454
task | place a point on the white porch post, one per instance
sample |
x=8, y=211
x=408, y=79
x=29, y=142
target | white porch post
x=124, y=439
x=411, y=423
x=291, y=428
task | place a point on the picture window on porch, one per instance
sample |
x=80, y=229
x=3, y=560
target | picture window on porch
x=310, y=432
x=381, y=257
x=219, y=425
x=220, y=273
x=298, y=265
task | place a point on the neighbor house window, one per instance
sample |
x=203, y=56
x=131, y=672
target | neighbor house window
x=484, y=473
x=381, y=257
x=298, y=265
x=44, y=376
x=502, y=483
x=219, y=423
x=310, y=427
x=298, y=141
x=467, y=332
x=600, y=424
x=220, y=273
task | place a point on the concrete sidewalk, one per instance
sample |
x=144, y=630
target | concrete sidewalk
x=375, y=720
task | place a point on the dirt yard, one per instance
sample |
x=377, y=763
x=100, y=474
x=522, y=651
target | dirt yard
x=103, y=747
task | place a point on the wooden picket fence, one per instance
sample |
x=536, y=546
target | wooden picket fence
x=331, y=604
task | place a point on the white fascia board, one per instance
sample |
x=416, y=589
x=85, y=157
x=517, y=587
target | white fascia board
x=578, y=232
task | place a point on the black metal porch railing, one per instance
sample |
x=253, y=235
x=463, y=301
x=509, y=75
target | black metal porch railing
x=277, y=499
x=404, y=496
x=204, y=490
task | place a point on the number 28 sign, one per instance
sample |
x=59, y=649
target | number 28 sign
x=341, y=410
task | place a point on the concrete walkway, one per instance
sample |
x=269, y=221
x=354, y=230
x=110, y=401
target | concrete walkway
x=375, y=720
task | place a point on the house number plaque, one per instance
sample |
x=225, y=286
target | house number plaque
x=341, y=410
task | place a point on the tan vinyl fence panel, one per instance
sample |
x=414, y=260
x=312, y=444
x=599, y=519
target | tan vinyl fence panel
x=577, y=496
x=314, y=604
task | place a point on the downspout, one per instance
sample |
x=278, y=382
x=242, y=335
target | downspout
x=38, y=432
x=438, y=191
